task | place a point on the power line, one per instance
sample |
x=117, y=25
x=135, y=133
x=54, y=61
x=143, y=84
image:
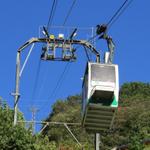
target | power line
x=69, y=12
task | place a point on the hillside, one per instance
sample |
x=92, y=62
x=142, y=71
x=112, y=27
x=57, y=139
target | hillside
x=131, y=126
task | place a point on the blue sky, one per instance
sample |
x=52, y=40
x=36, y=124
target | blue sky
x=20, y=20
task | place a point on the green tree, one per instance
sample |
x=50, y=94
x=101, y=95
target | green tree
x=132, y=122
x=17, y=137
x=131, y=125
x=68, y=110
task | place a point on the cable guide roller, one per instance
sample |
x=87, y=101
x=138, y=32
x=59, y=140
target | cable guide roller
x=49, y=51
x=100, y=96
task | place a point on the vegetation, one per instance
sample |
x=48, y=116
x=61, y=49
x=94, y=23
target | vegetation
x=131, y=125
x=17, y=137
x=69, y=111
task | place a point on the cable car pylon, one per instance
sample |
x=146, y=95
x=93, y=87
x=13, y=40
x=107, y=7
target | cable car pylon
x=52, y=43
x=100, y=88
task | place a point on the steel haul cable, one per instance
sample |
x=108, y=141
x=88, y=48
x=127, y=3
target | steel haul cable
x=67, y=66
x=52, y=13
x=120, y=13
x=51, y=16
x=58, y=85
x=116, y=15
x=69, y=12
x=36, y=81
x=117, y=12
x=114, y=18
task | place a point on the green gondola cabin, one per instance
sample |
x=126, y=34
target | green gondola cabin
x=100, y=93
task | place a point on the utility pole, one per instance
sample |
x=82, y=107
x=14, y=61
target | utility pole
x=33, y=110
x=16, y=94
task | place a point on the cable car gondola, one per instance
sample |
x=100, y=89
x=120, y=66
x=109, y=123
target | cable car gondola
x=100, y=92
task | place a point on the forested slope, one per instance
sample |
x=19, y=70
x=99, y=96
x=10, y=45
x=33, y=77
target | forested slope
x=131, y=126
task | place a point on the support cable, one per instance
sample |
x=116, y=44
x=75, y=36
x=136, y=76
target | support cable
x=86, y=52
x=120, y=13
x=36, y=80
x=115, y=17
x=43, y=82
x=27, y=58
x=52, y=13
x=72, y=134
x=62, y=78
x=117, y=12
x=59, y=82
x=69, y=12
x=51, y=16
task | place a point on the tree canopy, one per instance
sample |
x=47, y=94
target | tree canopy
x=131, y=125
x=17, y=137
